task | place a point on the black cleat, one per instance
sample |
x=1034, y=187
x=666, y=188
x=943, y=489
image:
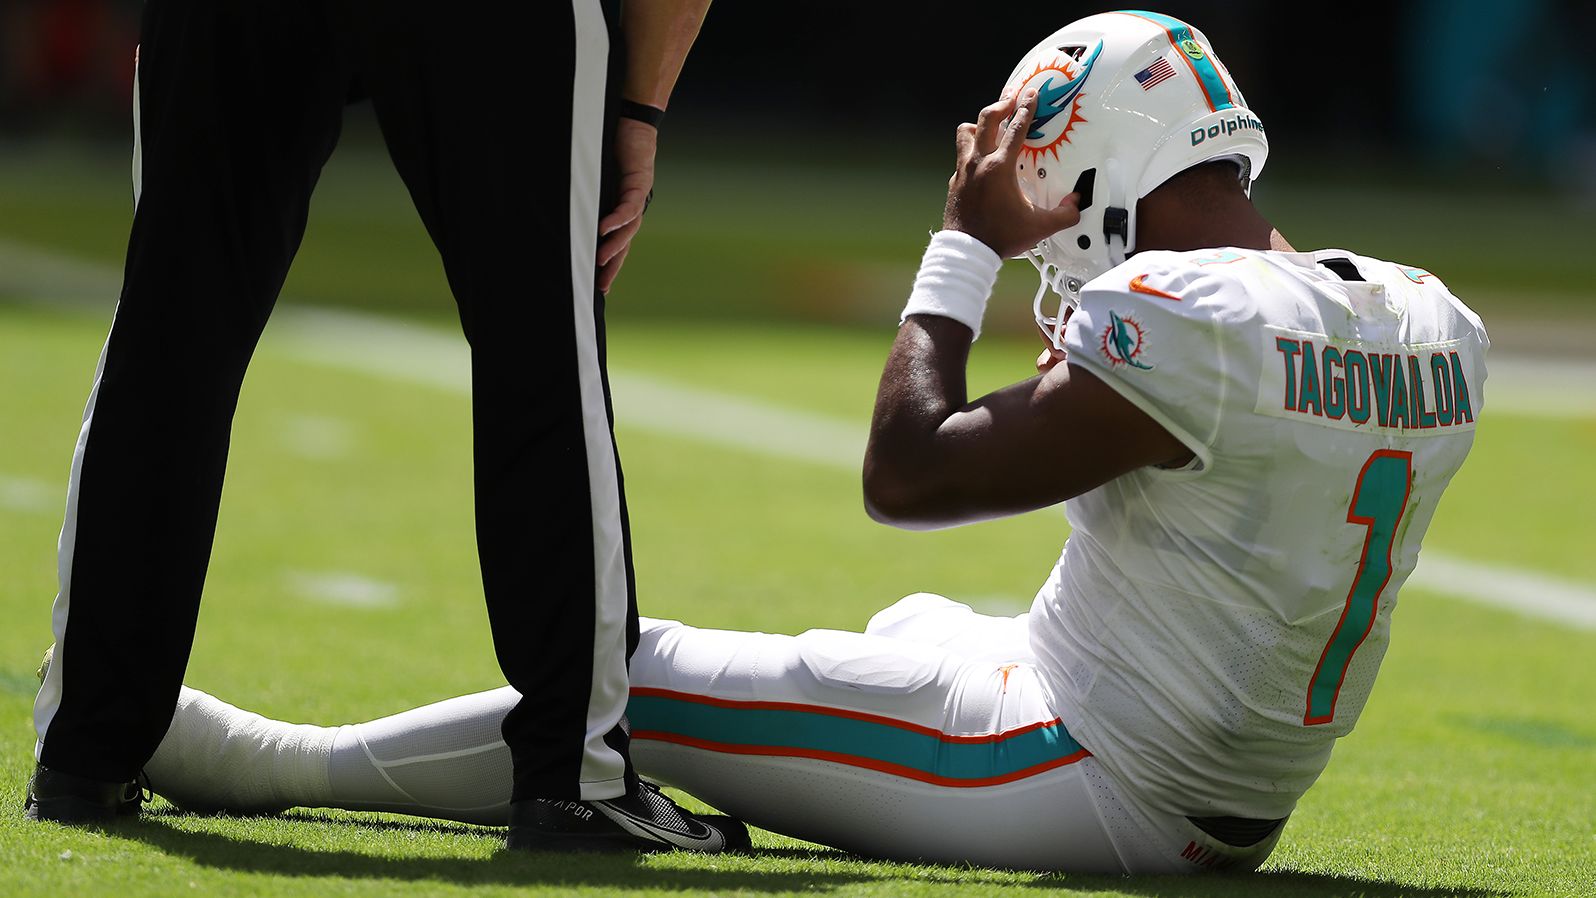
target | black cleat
x=641, y=820
x=66, y=798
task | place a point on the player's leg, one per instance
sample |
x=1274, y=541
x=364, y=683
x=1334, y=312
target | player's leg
x=874, y=745
x=467, y=131
x=445, y=760
x=886, y=747
x=866, y=743
x=237, y=106
x=1149, y=841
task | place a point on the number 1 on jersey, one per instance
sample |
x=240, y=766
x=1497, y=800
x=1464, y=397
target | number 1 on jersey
x=1378, y=501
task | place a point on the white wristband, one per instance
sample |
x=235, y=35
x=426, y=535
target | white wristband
x=955, y=280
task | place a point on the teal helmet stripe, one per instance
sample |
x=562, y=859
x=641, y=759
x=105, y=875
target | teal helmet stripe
x=1209, y=79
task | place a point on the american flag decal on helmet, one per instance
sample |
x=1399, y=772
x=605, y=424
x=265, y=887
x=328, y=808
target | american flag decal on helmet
x=1155, y=74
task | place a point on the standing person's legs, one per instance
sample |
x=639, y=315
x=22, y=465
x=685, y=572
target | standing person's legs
x=473, y=103
x=237, y=106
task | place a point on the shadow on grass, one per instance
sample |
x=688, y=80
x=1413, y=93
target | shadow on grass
x=1214, y=885
x=618, y=872
x=624, y=872
x=1222, y=885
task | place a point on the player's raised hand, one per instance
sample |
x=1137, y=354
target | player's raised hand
x=984, y=196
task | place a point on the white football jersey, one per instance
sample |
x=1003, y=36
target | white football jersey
x=1210, y=631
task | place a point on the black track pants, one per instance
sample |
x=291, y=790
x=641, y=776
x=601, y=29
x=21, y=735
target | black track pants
x=496, y=116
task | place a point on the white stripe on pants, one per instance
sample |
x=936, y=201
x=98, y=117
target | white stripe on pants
x=602, y=767
x=49, y=697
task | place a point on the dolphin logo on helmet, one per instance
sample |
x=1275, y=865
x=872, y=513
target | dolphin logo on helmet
x=1051, y=100
x=1136, y=140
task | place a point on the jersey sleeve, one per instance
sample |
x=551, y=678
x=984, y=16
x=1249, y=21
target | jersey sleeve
x=1155, y=333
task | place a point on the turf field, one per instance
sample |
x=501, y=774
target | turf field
x=343, y=584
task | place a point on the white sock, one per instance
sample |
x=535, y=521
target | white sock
x=444, y=760
x=217, y=757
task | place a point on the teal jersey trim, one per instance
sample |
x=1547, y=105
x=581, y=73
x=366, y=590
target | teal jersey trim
x=1208, y=76
x=862, y=740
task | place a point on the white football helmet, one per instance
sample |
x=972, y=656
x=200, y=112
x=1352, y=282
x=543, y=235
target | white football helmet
x=1125, y=101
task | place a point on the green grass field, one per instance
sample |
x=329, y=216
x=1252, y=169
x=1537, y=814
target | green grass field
x=1473, y=771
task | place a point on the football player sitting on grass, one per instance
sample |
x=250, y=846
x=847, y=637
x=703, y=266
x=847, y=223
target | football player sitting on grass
x=1250, y=442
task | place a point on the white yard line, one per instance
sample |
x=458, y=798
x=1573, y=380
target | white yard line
x=419, y=354
x=1531, y=386
x=1541, y=387
x=414, y=353
x=404, y=351
x=318, y=437
x=45, y=277
x=345, y=588
x=1500, y=586
x=26, y=494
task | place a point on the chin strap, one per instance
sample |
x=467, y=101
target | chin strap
x=1116, y=218
x=1116, y=230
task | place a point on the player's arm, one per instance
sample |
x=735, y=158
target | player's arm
x=659, y=33
x=936, y=459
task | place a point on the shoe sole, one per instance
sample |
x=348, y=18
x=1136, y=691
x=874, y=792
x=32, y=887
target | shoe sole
x=74, y=812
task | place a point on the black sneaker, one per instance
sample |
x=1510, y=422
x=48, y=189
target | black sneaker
x=66, y=798
x=641, y=820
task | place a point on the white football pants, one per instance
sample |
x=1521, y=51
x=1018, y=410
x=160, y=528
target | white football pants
x=929, y=737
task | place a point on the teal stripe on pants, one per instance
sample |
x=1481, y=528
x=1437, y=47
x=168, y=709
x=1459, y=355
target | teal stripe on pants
x=816, y=731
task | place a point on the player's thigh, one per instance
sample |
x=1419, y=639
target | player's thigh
x=874, y=745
